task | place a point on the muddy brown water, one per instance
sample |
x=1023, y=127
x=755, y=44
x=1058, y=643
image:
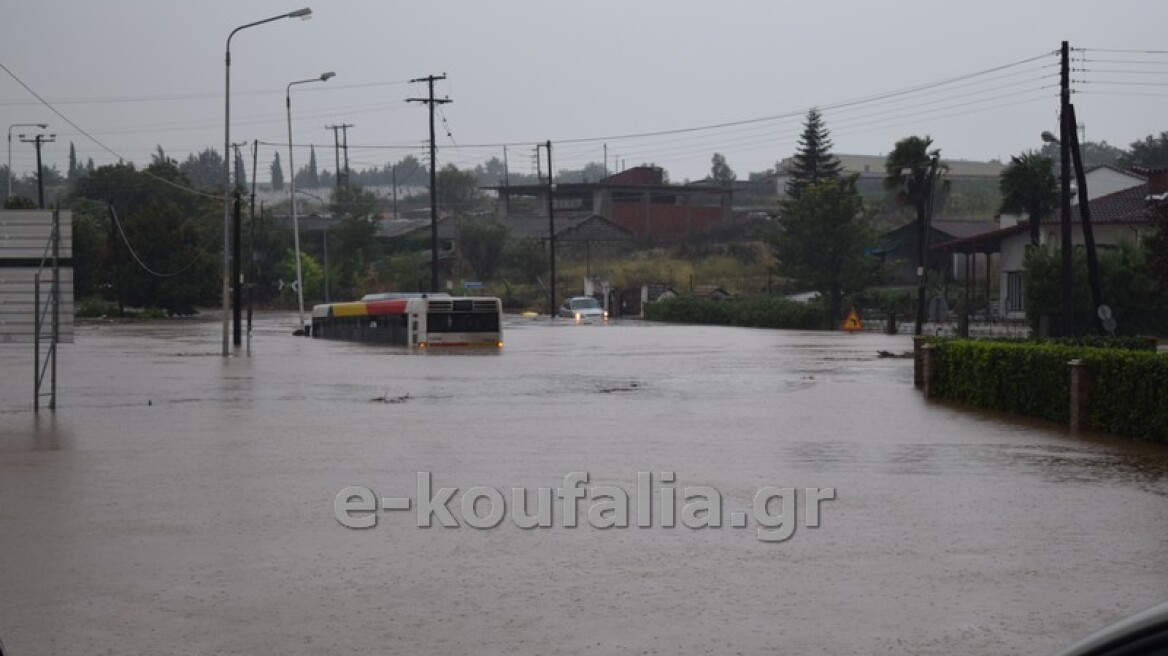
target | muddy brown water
x=183, y=503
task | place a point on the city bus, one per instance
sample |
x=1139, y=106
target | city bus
x=416, y=320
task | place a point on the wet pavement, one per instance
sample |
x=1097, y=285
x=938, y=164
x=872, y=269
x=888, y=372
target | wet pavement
x=181, y=503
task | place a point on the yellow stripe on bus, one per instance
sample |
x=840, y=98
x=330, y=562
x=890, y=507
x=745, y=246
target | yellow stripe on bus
x=356, y=309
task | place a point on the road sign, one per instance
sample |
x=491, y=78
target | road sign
x=852, y=322
x=472, y=284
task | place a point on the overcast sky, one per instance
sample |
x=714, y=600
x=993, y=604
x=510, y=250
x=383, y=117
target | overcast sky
x=139, y=73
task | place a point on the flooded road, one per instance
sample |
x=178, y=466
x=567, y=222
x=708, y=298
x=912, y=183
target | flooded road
x=181, y=503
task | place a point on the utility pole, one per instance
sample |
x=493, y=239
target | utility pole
x=43, y=126
x=430, y=102
x=336, y=156
x=344, y=128
x=37, y=141
x=1088, y=231
x=924, y=231
x=255, y=156
x=551, y=233
x=393, y=175
x=1067, y=247
x=506, y=184
x=345, y=146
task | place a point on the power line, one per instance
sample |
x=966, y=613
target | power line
x=109, y=150
x=134, y=254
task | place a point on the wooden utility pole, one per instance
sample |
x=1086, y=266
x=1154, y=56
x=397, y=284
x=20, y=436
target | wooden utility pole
x=430, y=102
x=337, y=146
x=551, y=233
x=1067, y=247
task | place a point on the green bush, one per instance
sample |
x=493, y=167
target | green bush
x=1027, y=379
x=1128, y=393
x=1092, y=341
x=94, y=308
x=751, y=312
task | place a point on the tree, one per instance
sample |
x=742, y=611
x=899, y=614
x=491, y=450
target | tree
x=308, y=177
x=457, y=190
x=74, y=171
x=1028, y=184
x=1094, y=153
x=204, y=170
x=481, y=243
x=720, y=171
x=821, y=240
x=1137, y=302
x=813, y=161
x=159, y=156
x=171, y=233
x=411, y=172
x=240, y=171
x=526, y=259
x=1151, y=153
x=277, y=172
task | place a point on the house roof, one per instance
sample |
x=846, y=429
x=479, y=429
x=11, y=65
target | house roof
x=1123, y=207
x=702, y=291
x=639, y=177
x=953, y=228
x=536, y=227
x=1128, y=172
x=987, y=240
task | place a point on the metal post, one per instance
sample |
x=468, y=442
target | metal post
x=56, y=306
x=36, y=342
x=236, y=273
x=299, y=13
x=551, y=234
x=1067, y=246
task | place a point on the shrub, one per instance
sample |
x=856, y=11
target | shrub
x=750, y=312
x=1128, y=393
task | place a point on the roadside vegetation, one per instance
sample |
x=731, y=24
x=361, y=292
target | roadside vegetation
x=144, y=242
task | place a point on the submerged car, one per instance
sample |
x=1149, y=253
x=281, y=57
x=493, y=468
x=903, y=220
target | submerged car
x=583, y=308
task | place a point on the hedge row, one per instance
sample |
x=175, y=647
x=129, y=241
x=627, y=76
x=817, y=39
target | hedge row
x=753, y=312
x=1128, y=395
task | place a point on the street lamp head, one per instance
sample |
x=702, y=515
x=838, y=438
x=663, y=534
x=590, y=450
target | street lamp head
x=42, y=125
x=1048, y=137
x=325, y=76
x=305, y=13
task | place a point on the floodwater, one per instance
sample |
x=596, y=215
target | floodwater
x=183, y=503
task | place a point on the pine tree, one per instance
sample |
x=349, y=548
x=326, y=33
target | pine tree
x=813, y=161
x=313, y=176
x=74, y=171
x=277, y=174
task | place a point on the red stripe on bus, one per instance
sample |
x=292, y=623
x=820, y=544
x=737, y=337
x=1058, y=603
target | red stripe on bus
x=389, y=306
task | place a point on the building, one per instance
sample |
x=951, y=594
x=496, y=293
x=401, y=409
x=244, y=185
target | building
x=870, y=173
x=1128, y=213
x=638, y=200
x=900, y=248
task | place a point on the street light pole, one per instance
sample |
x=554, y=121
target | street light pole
x=37, y=141
x=299, y=13
x=292, y=194
x=42, y=126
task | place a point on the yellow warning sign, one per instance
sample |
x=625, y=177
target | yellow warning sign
x=852, y=322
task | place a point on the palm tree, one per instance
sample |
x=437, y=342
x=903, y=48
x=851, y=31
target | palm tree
x=912, y=171
x=1028, y=185
x=908, y=167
